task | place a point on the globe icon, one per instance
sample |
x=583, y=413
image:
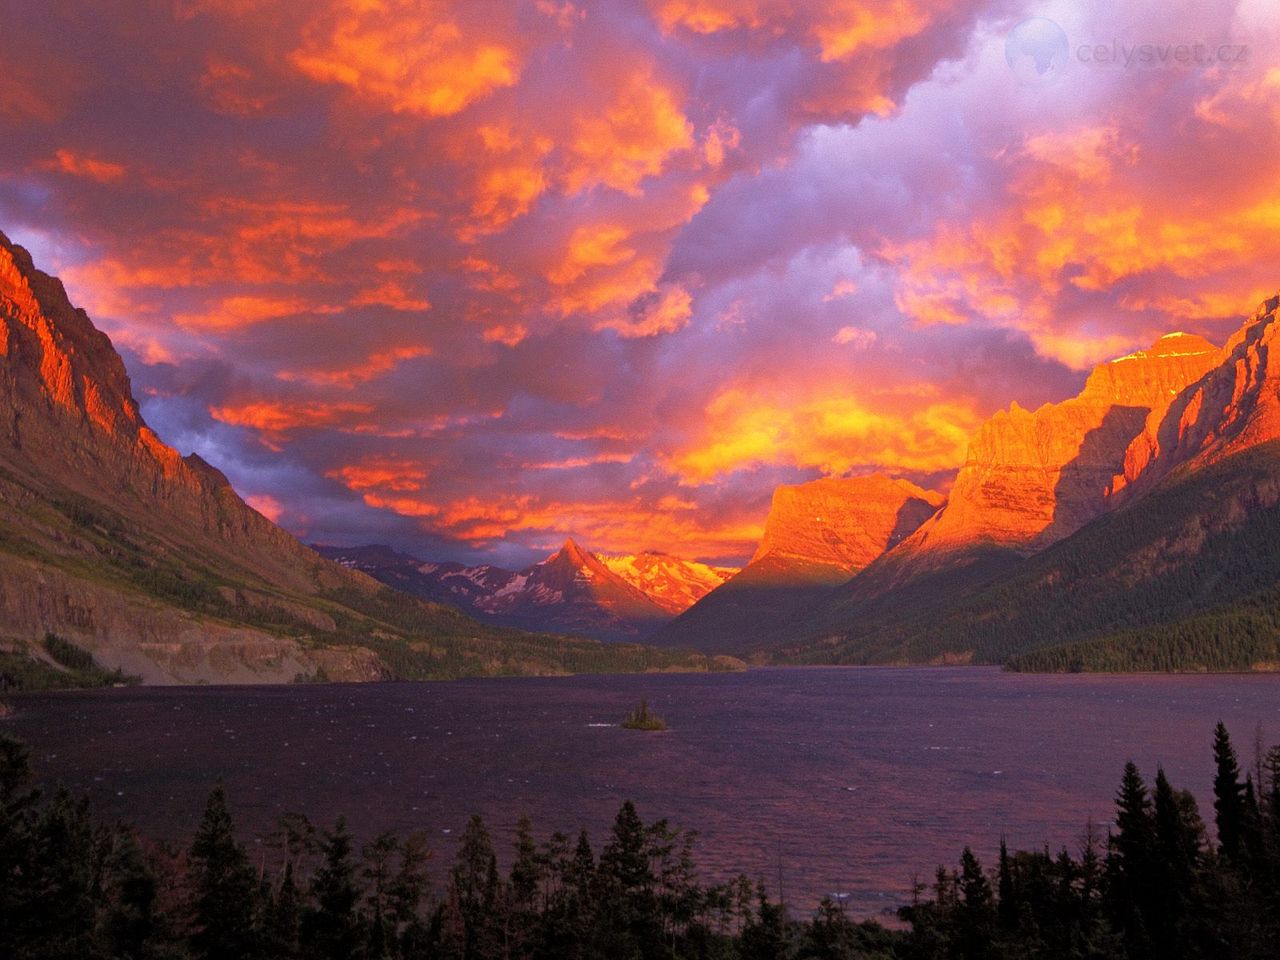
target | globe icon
x=1036, y=51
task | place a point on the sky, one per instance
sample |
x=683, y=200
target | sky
x=468, y=278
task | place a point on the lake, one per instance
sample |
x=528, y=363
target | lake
x=838, y=780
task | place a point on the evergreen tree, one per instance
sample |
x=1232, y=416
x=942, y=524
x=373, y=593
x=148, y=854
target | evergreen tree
x=282, y=918
x=628, y=915
x=61, y=880
x=975, y=914
x=571, y=918
x=766, y=936
x=407, y=893
x=475, y=887
x=1130, y=862
x=830, y=935
x=582, y=872
x=1228, y=794
x=129, y=926
x=17, y=811
x=625, y=860
x=1008, y=909
x=1175, y=866
x=332, y=927
x=1271, y=766
x=224, y=888
x=527, y=870
x=378, y=871
x=526, y=886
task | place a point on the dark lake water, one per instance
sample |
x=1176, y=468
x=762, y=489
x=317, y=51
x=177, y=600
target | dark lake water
x=845, y=780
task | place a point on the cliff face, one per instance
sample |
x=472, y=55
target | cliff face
x=152, y=562
x=1032, y=478
x=817, y=536
x=1034, y=485
x=1084, y=520
x=843, y=523
x=1236, y=406
x=69, y=416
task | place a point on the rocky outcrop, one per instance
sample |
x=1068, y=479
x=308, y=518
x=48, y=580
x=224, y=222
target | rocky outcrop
x=843, y=524
x=817, y=535
x=1032, y=478
x=1085, y=520
x=1234, y=407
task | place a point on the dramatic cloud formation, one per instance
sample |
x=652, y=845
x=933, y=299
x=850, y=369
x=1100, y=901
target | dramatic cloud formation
x=469, y=278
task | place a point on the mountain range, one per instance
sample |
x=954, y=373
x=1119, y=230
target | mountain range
x=1130, y=527
x=151, y=564
x=572, y=591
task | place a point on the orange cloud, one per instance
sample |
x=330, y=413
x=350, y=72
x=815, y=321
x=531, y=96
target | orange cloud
x=1088, y=212
x=79, y=165
x=412, y=55
x=508, y=334
x=833, y=432
x=663, y=311
x=613, y=525
x=592, y=246
x=854, y=336
x=390, y=294
x=630, y=139
x=267, y=505
x=233, y=90
x=509, y=176
x=721, y=139
x=576, y=463
x=714, y=16
x=275, y=420
x=848, y=27
x=401, y=476
x=841, y=28
x=235, y=313
x=374, y=366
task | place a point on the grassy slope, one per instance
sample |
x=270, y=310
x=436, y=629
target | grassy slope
x=110, y=550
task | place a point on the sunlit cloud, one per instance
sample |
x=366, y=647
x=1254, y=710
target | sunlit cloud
x=468, y=278
x=79, y=165
x=832, y=433
x=412, y=56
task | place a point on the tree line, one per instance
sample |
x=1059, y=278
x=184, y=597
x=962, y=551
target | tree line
x=1154, y=888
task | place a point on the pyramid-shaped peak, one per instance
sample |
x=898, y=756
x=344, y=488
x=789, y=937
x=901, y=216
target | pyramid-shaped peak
x=573, y=553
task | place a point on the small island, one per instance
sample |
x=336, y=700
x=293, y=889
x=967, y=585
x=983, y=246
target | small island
x=641, y=719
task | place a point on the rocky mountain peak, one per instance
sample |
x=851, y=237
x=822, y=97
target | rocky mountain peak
x=843, y=523
x=55, y=356
x=671, y=582
x=1031, y=478
x=1235, y=406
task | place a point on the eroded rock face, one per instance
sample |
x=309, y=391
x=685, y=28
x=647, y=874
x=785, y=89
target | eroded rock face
x=68, y=413
x=1031, y=478
x=843, y=523
x=113, y=538
x=1234, y=407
